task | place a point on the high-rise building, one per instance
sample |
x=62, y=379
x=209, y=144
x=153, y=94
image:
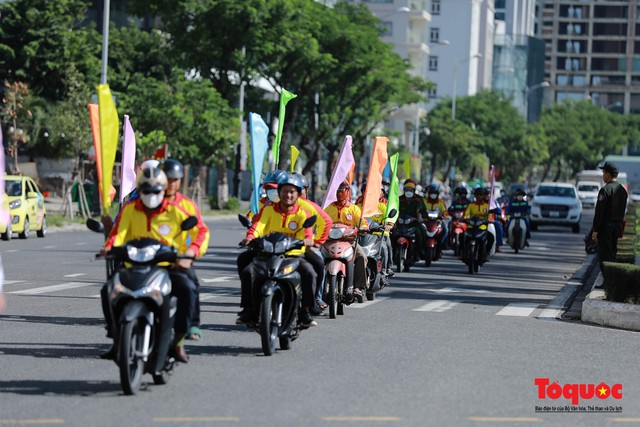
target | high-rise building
x=592, y=51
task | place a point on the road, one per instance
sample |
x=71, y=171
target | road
x=437, y=347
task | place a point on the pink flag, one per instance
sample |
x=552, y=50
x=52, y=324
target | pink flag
x=128, y=182
x=4, y=215
x=492, y=175
x=340, y=172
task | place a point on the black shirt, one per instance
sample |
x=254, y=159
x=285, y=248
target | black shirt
x=611, y=206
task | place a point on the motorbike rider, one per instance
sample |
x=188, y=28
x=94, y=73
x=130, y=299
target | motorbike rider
x=270, y=187
x=342, y=211
x=175, y=172
x=285, y=216
x=480, y=208
x=411, y=204
x=155, y=217
x=433, y=203
x=460, y=201
x=322, y=229
x=520, y=204
x=495, y=212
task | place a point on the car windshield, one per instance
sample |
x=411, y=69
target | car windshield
x=13, y=188
x=588, y=188
x=556, y=191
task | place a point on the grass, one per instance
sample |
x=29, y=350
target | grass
x=57, y=220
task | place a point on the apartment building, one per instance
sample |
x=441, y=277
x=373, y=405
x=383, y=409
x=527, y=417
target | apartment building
x=592, y=51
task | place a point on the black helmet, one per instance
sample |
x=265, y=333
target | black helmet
x=479, y=191
x=433, y=188
x=520, y=192
x=461, y=190
x=173, y=169
x=291, y=179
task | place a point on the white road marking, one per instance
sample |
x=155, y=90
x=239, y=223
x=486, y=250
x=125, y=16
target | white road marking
x=206, y=297
x=13, y=282
x=12, y=250
x=550, y=313
x=518, y=309
x=75, y=275
x=80, y=244
x=49, y=247
x=217, y=279
x=437, y=306
x=456, y=290
x=554, y=309
x=367, y=303
x=52, y=288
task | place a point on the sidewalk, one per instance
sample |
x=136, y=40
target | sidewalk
x=596, y=310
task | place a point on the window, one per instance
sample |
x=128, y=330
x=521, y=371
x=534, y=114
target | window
x=433, y=92
x=435, y=7
x=435, y=34
x=433, y=63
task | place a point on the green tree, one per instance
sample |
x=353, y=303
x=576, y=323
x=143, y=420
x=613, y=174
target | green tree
x=16, y=113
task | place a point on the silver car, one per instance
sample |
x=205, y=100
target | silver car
x=556, y=204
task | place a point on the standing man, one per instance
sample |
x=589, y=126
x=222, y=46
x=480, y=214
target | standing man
x=609, y=214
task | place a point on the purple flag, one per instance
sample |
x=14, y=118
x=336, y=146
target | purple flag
x=128, y=181
x=340, y=172
x=4, y=215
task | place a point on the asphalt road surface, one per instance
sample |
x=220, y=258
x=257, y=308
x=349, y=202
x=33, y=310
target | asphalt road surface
x=437, y=347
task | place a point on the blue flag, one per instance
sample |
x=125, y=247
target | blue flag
x=386, y=173
x=259, y=132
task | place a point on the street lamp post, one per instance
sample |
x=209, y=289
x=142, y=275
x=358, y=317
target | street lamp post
x=456, y=65
x=527, y=92
x=105, y=41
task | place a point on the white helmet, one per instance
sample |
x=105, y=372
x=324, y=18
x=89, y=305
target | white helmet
x=152, y=182
x=151, y=163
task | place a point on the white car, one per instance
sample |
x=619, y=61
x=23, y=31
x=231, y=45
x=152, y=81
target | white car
x=556, y=204
x=588, y=193
x=634, y=196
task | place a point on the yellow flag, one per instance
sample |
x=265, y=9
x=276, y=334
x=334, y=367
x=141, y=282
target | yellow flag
x=109, y=127
x=294, y=156
x=406, y=167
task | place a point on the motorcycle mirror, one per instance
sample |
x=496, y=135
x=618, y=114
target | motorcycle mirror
x=309, y=222
x=95, y=225
x=392, y=213
x=189, y=223
x=246, y=222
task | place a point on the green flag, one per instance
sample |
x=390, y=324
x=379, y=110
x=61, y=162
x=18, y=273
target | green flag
x=285, y=97
x=394, y=191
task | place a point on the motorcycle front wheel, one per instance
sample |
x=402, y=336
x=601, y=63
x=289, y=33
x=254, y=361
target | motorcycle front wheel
x=331, y=279
x=130, y=363
x=268, y=327
x=428, y=258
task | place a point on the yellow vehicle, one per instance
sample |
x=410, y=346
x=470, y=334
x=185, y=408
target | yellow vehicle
x=26, y=204
x=5, y=226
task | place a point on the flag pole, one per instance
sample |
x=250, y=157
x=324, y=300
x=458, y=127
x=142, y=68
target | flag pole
x=105, y=41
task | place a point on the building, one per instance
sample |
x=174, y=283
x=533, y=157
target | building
x=592, y=51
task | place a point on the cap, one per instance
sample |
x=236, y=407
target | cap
x=610, y=167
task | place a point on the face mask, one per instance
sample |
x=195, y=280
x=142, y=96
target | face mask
x=273, y=195
x=152, y=201
x=520, y=198
x=408, y=194
x=433, y=196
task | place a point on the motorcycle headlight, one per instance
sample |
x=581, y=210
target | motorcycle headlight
x=336, y=233
x=145, y=254
x=15, y=204
x=281, y=247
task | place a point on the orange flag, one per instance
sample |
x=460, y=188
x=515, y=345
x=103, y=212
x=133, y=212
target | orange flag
x=94, y=116
x=374, y=178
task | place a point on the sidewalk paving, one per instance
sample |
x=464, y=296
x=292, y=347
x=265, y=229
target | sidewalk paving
x=596, y=310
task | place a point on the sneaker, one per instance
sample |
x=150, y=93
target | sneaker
x=109, y=354
x=316, y=311
x=306, y=319
x=245, y=317
x=390, y=273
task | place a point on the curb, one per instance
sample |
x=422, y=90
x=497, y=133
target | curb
x=605, y=313
x=567, y=294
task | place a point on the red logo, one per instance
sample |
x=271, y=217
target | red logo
x=575, y=392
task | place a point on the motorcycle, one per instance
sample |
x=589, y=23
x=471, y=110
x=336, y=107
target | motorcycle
x=476, y=236
x=339, y=256
x=142, y=307
x=434, y=226
x=517, y=233
x=371, y=242
x=276, y=288
x=404, y=242
x=456, y=235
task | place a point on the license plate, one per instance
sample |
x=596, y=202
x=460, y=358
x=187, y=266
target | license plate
x=554, y=214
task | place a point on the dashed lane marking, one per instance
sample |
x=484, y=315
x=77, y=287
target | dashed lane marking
x=75, y=275
x=193, y=419
x=13, y=282
x=217, y=279
x=81, y=244
x=31, y=421
x=518, y=309
x=368, y=303
x=49, y=247
x=52, y=288
x=437, y=306
x=362, y=419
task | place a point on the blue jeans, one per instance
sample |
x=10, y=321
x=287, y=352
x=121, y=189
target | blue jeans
x=320, y=287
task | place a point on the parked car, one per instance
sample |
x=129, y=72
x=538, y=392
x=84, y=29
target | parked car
x=588, y=193
x=634, y=196
x=556, y=204
x=26, y=204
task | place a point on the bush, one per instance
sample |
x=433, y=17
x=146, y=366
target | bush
x=233, y=204
x=621, y=281
x=213, y=202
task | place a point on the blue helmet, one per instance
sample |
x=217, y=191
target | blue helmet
x=433, y=188
x=274, y=177
x=291, y=179
x=305, y=182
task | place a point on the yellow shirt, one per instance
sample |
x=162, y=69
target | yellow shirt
x=349, y=214
x=437, y=205
x=477, y=209
x=271, y=220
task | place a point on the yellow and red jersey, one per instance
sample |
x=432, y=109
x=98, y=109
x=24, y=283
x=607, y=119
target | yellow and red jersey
x=323, y=220
x=349, y=214
x=202, y=239
x=261, y=204
x=163, y=224
x=436, y=205
x=272, y=219
x=382, y=207
x=480, y=209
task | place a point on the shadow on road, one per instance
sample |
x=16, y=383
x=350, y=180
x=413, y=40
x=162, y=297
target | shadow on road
x=53, y=350
x=62, y=388
x=54, y=320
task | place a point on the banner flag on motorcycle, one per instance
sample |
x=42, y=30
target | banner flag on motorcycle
x=285, y=97
x=4, y=215
x=109, y=127
x=128, y=177
x=94, y=118
x=406, y=167
x=340, y=171
x=394, y=190
x=492, y=176
x=386, y=174
x=294, y=156
x=258, y=132
x=374, y=178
